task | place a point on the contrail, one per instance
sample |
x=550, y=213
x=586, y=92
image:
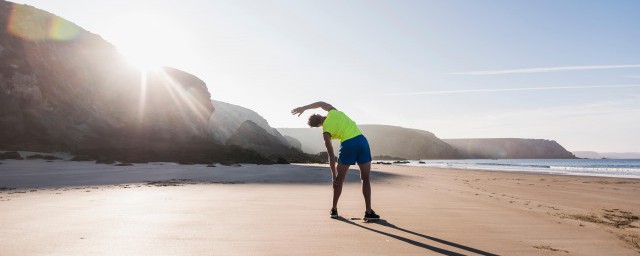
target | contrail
x=511, y=89
x=541, y=70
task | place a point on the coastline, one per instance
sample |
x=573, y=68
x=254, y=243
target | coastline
x=521, y=172
x=613, y=168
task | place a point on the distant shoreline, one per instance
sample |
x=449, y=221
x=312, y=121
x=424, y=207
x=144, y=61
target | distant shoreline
x=630, y=171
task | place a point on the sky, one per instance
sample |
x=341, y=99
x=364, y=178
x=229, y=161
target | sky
x=567, y=71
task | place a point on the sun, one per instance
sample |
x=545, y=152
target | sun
x=147, y=41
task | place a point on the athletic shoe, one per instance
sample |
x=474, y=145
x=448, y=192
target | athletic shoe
x=334, y=214
x=371, y=216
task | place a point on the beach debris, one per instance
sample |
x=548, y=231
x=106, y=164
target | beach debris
x=170, y=183
x=104, y=160
x=82, y=158
x=45, y=157
x=549, y=248
x=11, y=155
x=619, y=218
x=635, y=243
x=611, y=217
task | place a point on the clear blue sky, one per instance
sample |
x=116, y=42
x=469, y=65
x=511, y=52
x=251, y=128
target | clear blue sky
x=454, y=68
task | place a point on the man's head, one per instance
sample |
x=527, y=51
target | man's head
x=315, y=120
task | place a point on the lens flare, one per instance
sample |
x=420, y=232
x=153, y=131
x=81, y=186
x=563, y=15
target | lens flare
x=32, y=24
x=63, y=30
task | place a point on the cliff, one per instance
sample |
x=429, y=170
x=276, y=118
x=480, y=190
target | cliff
x=251, y=136
x=510, y=148
x=384, y=140
x=229, y=117
x=63, y=88
x=239, y=126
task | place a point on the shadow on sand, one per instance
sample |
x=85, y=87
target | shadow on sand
x=416, y=243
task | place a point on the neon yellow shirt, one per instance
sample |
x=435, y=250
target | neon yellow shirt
x=340, y=126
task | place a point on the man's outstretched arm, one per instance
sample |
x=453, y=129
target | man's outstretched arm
x=319, y=104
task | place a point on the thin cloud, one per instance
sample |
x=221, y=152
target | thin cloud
x=542, y=70
x=510, y=89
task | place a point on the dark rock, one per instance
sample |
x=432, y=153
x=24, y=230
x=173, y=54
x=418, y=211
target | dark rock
x=226, y=163
x=45, y=157
x=282, y=161
x=421, y=162
x=400, y=162
x=104, y=160
x=82, y=158
x=385, y=157
x=124, y=164
x=11, y=155
x=211, y=165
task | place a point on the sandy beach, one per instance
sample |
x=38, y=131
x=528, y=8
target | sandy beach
x=80, y=208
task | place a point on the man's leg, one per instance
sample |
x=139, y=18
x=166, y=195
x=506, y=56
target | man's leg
x=365, y=169
x=337, y=187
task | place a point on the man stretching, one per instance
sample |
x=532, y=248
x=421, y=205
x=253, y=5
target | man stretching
x=354, y=148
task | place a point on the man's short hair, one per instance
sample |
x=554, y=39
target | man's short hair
x=315, y=120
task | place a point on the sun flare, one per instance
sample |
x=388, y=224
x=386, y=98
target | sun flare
x=148, y=41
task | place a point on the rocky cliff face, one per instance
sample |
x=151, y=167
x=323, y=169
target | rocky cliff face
x=294, y=142
x=238, y=126
x=63, y=88
x=384, y=140
x=510, y=148
x=407, y=143
x=229, y=117
x=251, y=136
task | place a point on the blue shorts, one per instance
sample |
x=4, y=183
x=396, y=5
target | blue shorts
x=354, y=150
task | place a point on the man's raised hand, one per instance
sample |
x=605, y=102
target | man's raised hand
x=298, y=111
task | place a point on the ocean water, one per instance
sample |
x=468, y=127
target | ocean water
x=621, y=168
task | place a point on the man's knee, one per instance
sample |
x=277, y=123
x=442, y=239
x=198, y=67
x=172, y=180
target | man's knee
x=364, y=177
